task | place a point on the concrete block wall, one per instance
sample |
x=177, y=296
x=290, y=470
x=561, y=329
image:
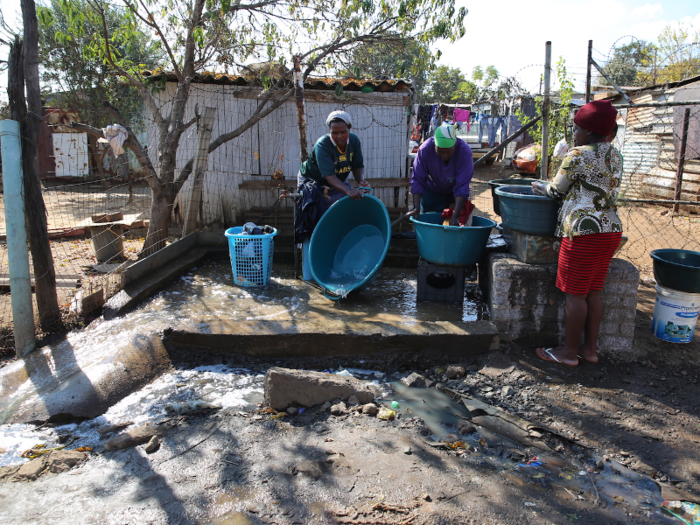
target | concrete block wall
x=527, y=307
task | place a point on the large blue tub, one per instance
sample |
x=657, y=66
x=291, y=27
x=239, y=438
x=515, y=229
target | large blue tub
x=523, y=211
x=349, y=245
x=451, y=245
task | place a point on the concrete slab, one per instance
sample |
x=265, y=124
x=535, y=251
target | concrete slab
x=292, y=318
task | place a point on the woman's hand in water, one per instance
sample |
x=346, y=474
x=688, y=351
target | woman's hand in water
x=538, y=188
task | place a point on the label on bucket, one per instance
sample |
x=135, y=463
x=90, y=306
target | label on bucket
x=675, y=319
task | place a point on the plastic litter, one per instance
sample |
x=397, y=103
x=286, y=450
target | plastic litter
x=386, y=414
x=685, y=511
x=344, y=373
x=301, y=410
x=395, y=405
x=530, y=504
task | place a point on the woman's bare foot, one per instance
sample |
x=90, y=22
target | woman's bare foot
x=588, y=356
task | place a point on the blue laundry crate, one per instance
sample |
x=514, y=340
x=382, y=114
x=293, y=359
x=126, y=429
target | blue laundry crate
x=251, y=256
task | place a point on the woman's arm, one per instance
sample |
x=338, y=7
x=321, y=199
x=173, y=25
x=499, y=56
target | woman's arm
x=566, y=176
x=359, y=174
x=335, y=183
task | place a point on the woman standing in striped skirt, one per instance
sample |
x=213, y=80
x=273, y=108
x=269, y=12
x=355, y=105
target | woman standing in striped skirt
x=588, y=182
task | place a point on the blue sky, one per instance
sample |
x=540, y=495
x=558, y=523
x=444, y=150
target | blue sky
x=511, y=34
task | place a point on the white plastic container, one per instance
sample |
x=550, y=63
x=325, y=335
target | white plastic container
x=675, y=315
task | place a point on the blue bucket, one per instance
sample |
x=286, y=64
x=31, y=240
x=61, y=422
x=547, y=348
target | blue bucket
x=451, y=245
x=251, y=256
x=523, y=211
x=349, y=245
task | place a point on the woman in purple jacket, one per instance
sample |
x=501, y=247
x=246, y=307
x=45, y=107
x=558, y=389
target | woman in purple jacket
x=442, y=171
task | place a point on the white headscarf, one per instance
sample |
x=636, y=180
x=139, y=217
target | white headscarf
x=342, y=115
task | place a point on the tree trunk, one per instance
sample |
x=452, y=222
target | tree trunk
x=161, y=207
x=44, y=272
x=30, y=122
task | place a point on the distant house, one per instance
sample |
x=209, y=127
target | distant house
x=646, y=141
x=247, y=172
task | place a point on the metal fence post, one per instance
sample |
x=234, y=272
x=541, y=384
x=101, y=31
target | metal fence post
x=17, y=250
x=544, y=175
x=681, y=159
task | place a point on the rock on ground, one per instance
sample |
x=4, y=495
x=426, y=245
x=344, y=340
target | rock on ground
x=455, y=371
x=415, y=380
x=135, y=437
x=55, y=462
x=284, y=387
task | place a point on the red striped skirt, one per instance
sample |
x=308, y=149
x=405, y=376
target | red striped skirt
x=584, y=262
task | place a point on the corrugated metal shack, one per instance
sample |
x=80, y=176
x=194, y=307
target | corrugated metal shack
x=249, y=171
x=646, y=141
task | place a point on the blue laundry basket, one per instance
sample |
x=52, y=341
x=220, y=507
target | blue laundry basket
x=251, y=256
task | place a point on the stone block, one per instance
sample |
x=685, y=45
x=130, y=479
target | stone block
x=285, y=387
x=615, y=343
x=627, y=329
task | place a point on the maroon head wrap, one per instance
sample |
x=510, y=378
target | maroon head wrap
x=598, y=116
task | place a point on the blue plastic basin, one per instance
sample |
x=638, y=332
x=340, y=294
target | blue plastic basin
x=523, y=211
x=505, y=182
x=451, y=245
x=677, y=269
x=349, y=244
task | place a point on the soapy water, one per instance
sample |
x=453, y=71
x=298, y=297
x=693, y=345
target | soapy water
x=217, y=386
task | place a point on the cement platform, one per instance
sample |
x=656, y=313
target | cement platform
x=291, y=318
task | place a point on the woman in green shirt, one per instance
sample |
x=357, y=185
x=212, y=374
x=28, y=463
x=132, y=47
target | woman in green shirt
x=334, y=157
x=323, y=176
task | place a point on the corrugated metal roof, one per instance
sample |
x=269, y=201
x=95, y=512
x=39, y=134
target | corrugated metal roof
x=321, y=83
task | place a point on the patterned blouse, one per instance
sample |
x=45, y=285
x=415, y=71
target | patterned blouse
x=588, y=181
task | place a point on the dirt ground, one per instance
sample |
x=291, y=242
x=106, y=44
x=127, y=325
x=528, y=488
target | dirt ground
x=239, y=467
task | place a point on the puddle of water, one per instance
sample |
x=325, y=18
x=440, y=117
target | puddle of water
x=614, y=485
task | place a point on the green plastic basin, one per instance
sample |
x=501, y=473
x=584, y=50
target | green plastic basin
x=523, y=211
x=497, y=183
x=349, y=244
x=451, y=245
x=677, y=269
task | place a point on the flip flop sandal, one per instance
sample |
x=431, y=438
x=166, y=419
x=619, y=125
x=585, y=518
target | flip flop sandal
x=545, y=354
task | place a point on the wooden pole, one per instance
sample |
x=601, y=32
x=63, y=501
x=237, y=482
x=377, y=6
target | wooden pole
x=545, y=112
x=194, y=201
x=301, y=108
x=506, y=141
x=681, y=159
x=588, y=71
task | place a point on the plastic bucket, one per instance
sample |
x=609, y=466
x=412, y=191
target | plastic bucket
x=251, y=256
x=349, y=245
x=523, y=211
x=675, y=315
x=451, y=245
x=505, y=182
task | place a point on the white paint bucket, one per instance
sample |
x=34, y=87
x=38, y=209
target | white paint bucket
x=675, y=315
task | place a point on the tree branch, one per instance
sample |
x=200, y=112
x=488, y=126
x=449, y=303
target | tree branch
x=151, y=22
x=143, y=90
x=224, y=138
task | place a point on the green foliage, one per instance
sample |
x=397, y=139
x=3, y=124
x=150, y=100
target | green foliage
x=560, y=113
x=677, y=56
x=73, y=75
x=627, y=64
x=404, y=58
x=446, y=84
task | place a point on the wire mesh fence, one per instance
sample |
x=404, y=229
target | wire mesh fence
x=98, y=217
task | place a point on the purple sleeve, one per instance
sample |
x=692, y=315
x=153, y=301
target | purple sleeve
x=419, y=176
x=464, y=172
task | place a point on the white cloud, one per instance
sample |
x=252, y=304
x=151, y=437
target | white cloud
x=649, y=11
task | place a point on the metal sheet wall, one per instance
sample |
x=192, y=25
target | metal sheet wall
x=273, y=144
